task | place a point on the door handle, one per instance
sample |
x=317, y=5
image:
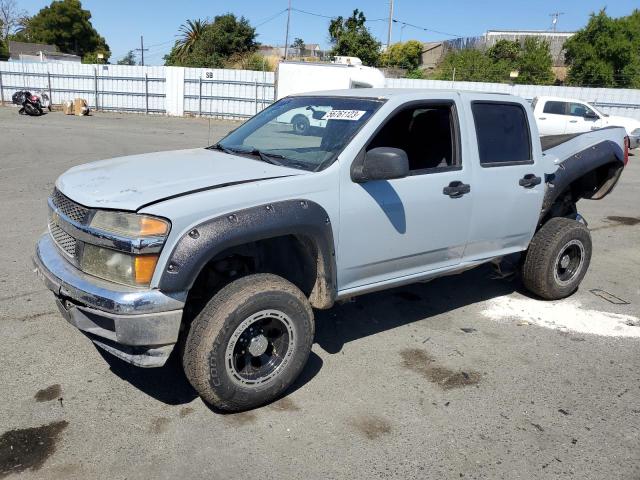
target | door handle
x=456, y=189
x=530, y=181
x=573, y=121
x=542, y=118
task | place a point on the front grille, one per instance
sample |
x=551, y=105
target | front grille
x=68, y=207
x=65, y=241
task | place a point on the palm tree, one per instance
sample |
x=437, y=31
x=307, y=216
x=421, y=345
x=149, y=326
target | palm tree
x=190, y=32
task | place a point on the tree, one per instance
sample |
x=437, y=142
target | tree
x=403, y=55
x=606, y=53
x=471, y=65
x=4, y=50
x=11, y=18
x=219, y=40
x=534, y=63
x=505, y=50
x=191, y=32
x=65, y=24
x=351, y=38
x=299, y=44
x=128, y=59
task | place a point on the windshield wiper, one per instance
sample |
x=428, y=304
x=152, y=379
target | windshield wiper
x=218, y=146
x=272, y=158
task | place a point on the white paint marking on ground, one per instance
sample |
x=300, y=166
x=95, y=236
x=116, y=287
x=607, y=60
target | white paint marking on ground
x=565, y=315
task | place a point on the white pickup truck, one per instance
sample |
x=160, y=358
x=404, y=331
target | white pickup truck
x=565, y=116
x=225, y=251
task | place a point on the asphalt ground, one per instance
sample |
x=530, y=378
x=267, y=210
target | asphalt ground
x=463, y=377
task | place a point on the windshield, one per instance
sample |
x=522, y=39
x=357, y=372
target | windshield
x=301, y=132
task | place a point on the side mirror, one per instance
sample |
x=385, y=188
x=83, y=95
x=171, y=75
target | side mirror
x=382, y=163
x=591, y=115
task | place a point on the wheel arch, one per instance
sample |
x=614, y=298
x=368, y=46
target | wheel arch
x=302, y=223
x=591, y=174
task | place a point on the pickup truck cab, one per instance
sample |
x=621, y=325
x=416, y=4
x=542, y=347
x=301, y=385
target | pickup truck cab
x=558, y=116
x=226, y=250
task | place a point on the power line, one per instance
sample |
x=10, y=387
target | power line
x=425, y=28
x=272, y=17
x=306, y=12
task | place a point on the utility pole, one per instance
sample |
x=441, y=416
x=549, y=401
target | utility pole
x=390, y=23
x=286, y=40
x=141, y=50
x=554, y=22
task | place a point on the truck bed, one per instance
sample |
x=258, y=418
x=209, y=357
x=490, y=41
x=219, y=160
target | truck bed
x=551, y=141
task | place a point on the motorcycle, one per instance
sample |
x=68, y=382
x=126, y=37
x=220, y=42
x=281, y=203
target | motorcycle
x=30, y=104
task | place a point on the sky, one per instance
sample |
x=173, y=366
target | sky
x=122, y=22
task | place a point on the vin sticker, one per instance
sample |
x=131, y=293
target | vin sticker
x=352, y=115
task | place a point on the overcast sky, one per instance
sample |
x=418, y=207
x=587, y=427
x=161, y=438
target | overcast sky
x=122, y=22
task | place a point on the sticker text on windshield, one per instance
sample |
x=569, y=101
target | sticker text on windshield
x=352, y=115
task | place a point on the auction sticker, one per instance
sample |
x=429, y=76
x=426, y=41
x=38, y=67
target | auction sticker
x=352, y=115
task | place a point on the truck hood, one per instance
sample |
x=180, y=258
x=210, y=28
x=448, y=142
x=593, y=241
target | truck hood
x=629, y=124
x=128, y=183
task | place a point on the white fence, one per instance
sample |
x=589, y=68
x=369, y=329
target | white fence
x=167, y=90
x=614, y=101
x=230, y=93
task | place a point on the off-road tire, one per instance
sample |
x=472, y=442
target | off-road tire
x=541, y=262
x=300, y=124
x=211, y=331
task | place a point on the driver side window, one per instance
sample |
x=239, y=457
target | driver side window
x=426, y=133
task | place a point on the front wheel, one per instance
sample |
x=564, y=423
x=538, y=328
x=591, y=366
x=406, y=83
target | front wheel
x=557, y=259
x=249, y=343
x=300, y=124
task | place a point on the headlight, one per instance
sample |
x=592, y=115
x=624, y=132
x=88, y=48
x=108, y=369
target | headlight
x=130, y=225
x=119, y=267
x=116, y=263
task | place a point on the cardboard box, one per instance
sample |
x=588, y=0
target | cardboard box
x=67, y=107
x=80, y=107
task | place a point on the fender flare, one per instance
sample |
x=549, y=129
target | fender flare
x=580, y=164
x=291, y=217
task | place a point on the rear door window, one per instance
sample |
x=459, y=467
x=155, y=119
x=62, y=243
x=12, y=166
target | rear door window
x=503, y=133
x=555, y=108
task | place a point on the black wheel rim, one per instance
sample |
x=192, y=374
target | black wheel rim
x=300, y=126
x=569, y=262
x=260, y=348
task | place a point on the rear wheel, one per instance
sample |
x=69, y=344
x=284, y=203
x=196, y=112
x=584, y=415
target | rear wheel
x=557, y=259
x=249, y=343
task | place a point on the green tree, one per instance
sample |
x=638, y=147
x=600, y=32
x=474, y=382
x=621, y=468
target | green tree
x=403, y=55
x=606, y=53
x=219, y=40
x=4, y=50
x=128, y=59
x=298, y=43
x=65, y=24
x=351, y=38
x=506, y=51
x=190, y=32
x=473, y=66
x=534, y=63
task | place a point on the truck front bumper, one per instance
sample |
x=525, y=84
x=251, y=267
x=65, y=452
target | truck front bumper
x=140, y=326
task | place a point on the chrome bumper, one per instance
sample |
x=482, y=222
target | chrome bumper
x=139, y=326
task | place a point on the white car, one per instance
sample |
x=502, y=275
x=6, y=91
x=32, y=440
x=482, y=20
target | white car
x=558, y=116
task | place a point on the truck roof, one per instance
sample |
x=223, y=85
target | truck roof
x=388, y=93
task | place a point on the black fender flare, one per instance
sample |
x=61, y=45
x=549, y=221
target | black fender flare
x=291, y=217
x=578, y=165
